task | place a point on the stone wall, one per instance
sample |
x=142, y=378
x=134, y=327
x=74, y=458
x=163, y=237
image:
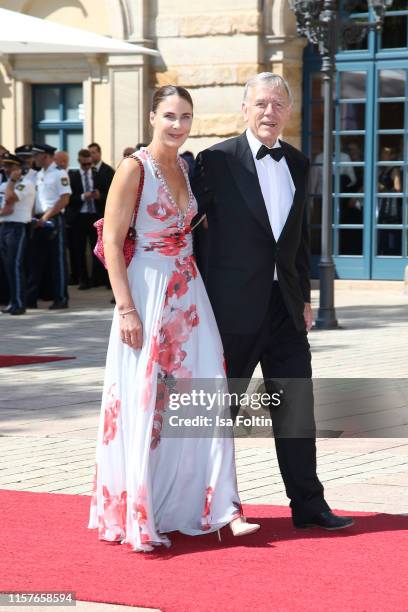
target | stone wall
x=212, y=53
x=210, y=47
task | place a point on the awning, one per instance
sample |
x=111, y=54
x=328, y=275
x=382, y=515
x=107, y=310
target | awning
x=21, y=33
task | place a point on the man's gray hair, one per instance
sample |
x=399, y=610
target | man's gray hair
x=271, y=79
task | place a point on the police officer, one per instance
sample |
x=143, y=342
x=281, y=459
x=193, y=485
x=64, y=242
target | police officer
x=3, y=177
x=47, y=244
x=4, y=290
x=25, y=153
x=17, y=197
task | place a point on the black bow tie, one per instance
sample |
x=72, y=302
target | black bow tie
x=276, y=153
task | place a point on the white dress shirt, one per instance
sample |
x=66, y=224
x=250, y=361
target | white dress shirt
x=276, y=184
x=23, y=207
x=3, y=187
x=32, y=176
x=51, y=184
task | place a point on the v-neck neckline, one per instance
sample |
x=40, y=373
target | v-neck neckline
x=181, y=213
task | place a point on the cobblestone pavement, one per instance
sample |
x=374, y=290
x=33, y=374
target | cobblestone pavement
x=49, y=412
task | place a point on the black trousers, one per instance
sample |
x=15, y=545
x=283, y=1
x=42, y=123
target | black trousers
x=84, y=232
x=4, y=285
x=73, y=266
x=47, y=256
x=12, y=253
x=283, y=353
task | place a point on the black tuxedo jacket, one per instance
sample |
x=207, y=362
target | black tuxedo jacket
x=105, y=176
x=241, y=251
x=75, y=202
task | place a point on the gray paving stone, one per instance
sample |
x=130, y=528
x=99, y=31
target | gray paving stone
x=49, y=412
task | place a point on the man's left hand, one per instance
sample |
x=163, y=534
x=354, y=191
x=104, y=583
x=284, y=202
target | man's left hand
x=308, y=316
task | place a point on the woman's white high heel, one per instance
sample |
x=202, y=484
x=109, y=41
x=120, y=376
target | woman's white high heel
x=239, y=527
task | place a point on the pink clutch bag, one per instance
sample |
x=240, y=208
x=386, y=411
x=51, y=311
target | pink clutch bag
x=130, y=241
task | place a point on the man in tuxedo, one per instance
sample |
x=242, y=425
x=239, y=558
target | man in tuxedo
x=253, y=189
x=104, y=171
x=86, y=206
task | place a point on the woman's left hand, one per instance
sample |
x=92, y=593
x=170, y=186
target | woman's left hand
x=131, y=329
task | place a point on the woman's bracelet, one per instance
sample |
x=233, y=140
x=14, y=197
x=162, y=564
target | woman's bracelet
x=122, y=314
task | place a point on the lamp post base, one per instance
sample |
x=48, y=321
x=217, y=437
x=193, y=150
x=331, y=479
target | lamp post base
x=326, y=315
x=326, y=319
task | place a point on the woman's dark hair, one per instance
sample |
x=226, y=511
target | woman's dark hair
x=170, y=90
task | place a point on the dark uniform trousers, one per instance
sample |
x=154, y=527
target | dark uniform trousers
x=284, y=353
x=47, y=253
x=12, y=252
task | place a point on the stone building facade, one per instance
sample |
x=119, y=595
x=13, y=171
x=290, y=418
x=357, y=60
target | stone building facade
x=210, y=47
x=213, y=47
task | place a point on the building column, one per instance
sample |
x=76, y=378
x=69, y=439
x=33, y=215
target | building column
x=23, y=118
x=284, y=56
x=128, y=121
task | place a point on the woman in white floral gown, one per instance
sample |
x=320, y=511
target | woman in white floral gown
x=163, y=329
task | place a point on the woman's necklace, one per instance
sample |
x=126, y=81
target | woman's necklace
x=180, y=214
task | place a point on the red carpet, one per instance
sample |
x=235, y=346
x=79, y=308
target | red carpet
x=15, y=360
x=45, y=546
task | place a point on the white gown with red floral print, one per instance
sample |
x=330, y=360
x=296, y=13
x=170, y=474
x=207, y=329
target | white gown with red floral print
x=147, y=485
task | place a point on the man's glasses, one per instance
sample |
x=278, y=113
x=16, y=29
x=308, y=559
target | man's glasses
x=277, y=105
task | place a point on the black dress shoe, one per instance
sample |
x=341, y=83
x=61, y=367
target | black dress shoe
x=325, y=520
x=58, y=305
x=17, y=311
x=6, y=310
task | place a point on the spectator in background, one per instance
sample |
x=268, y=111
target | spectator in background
x=2, y=172
x=128, y=151
x=84, y=209
x=4, y=293
x=61, y=158
x=17, y=201
x=389, y=207
x=47, y=244
x=104, y=175
x=25, y=153
x=105, y=172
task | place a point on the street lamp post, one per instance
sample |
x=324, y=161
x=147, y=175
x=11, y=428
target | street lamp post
x=320, y=22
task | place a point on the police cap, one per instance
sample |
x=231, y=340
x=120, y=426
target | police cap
x=24, y=151
x=9, y=158
x=43, y=148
